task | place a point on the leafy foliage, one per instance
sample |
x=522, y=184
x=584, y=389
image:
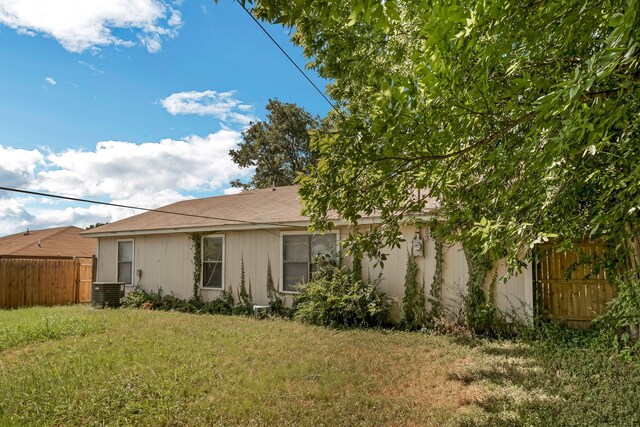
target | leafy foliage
x=136, y=298
x=276, y=302
x=278, y=148
x=139, y=298
x=520, y=117
x=480, y=314
x=334, y=299
x=96, y=225
x=623, y=314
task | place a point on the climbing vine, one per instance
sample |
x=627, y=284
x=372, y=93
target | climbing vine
x=435, y=294
x=196, y=247
x=480, y=313
x=272, y=293
x=245, y=297
x=276, y=300
x=413, y=301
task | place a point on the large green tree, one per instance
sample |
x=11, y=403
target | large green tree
x=278, y=148
x=521, y=117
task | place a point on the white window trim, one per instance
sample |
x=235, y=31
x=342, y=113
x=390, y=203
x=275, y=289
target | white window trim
x=288, y=233
x=133, y=260
x=223, y=262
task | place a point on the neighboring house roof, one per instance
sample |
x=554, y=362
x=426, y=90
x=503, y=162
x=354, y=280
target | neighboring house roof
x=277, y=207
x=51, y=242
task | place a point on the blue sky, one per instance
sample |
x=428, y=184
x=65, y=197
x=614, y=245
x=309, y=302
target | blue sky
x=131, y=101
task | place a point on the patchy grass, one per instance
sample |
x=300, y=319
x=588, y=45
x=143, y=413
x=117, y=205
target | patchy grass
x=162, y=368
x=551, y=382
x=19, y=327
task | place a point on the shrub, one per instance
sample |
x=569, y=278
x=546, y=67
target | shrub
x=483, y=318
x=170, y=302
x=444, y=325
x=623, y=314
x=333, y=298
x=137, y=298
x=221, y=305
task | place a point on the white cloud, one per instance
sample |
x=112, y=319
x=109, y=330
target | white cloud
x=221, y=105
x=13, y=215
x=232, y=190
x=79, y=25
x=92, y=67
x=147, y=175
x=124, y=170
x=18, y=166
x=51, y=81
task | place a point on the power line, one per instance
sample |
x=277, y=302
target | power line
x=291, y=59
x=117, y=205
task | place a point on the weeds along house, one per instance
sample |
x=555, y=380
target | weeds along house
x=158, y=250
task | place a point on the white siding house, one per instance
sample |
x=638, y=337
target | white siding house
x=262, y=226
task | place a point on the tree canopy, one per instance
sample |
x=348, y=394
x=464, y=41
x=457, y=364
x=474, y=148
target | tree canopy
x=278, y=148
x=96, y=225
x=521, y=117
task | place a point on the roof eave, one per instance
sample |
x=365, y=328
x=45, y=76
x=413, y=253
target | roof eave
x=232, y=227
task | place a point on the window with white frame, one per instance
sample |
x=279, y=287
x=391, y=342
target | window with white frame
x=125, y=262
x=298, y=254
x=212, y=262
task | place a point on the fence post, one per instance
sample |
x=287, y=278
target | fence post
x=94, y=268
x=76, y=264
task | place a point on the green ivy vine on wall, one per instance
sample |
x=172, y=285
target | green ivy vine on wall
x=435, y=294
x=245, y=297
x=196, y=247
x=481, y=314
x=413, y=301
x=272, y=292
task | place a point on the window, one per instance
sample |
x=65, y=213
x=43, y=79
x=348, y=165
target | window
x=125, y=262
x=298, y=252
x=212, y=262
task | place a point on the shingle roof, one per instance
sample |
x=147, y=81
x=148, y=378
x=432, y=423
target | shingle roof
x=265, y=207
x=51, y=242
x=254, y=207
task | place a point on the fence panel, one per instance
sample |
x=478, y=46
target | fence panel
x=41, y=281
x=86, y=268
x=568, y=287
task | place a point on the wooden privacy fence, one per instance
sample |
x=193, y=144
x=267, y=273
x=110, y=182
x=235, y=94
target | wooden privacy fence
x=567, y=286
x=45, y=281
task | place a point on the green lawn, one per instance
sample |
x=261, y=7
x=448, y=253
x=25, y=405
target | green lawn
x=79, y=366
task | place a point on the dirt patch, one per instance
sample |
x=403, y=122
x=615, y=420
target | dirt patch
x=434, y=385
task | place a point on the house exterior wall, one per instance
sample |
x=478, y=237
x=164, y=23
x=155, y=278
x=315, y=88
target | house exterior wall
x=256, y=247
x=166, y=262
x=107, y=255
x=514, y=295
x=454, y=270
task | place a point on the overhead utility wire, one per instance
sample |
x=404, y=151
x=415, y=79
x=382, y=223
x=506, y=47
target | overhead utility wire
x=291, y=59
x=117, y=205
